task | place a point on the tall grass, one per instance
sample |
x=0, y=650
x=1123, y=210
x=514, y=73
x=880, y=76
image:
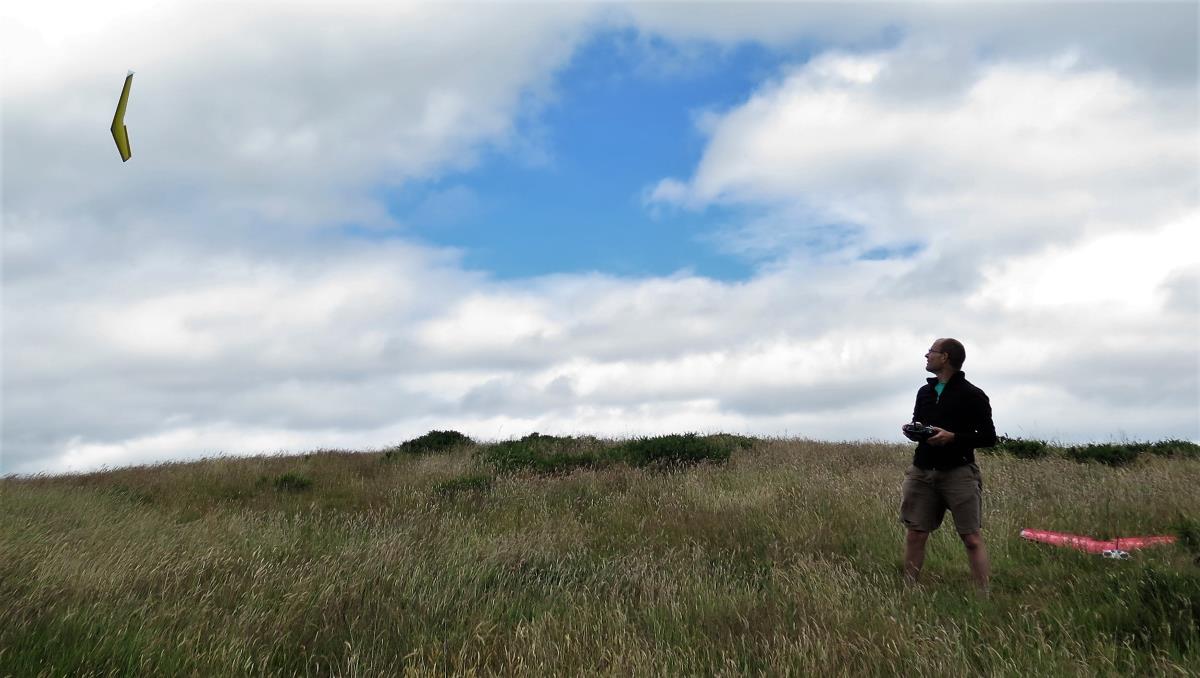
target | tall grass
x=783, y=560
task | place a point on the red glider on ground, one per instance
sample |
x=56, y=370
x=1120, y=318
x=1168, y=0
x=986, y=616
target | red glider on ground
x=1113, y=548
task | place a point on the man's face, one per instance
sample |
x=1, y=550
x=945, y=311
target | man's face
x=935, y=358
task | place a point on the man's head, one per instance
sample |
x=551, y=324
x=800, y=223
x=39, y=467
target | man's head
x=945, y=352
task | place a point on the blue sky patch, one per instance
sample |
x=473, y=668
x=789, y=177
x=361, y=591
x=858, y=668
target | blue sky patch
x=623, y=118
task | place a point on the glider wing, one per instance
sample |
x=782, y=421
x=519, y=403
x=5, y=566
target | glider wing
x=119, y=132
x=1130, y=543
x=1090, y=545
x=1081, y=543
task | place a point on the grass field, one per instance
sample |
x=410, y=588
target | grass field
x=783, y=560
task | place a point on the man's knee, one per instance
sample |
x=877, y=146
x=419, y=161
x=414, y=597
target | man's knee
x=973, y=541
x=917, y=537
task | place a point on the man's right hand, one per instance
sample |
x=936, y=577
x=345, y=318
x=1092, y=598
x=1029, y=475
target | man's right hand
x=908, y=435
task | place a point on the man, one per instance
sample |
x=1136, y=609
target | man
x=943, y=474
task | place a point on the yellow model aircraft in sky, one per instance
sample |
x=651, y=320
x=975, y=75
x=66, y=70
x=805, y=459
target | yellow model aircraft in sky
x=120, y=134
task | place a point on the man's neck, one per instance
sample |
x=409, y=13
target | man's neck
x=945, y=374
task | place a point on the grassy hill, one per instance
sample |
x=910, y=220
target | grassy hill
x=716, y=555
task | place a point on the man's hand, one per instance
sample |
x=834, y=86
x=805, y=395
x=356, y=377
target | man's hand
x=909, y=435
x=942, y=437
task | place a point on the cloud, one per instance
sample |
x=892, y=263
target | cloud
x=1018, y=153
x=290, y=125
x=1182, y=288
x=1150, y=41
x=827, y=353
x=1152, y=265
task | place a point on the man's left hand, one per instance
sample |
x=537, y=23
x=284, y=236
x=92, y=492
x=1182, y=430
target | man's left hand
x=941, y=437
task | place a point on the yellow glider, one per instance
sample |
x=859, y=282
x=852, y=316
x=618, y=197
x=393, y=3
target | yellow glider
x=120, y=134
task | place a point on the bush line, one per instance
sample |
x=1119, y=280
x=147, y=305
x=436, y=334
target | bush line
x=1112, y=454
x=562, y=454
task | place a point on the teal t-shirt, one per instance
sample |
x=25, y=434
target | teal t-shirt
x=939, y=388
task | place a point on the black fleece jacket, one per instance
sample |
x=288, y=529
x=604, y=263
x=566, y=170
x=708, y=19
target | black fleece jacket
x=965, y=411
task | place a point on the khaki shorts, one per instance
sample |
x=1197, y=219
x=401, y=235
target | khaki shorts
x=928, y=493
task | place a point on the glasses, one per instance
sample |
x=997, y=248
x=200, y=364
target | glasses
x=933, y=351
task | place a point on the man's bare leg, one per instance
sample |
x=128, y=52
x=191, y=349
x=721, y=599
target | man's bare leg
x=977, y=558
x=914, y=554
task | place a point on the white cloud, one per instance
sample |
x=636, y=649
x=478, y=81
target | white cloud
x=1124, y=272
x=480, y=323
x=1152, y=41
x=786, y=352
x=300, y=115
x=1021, y=152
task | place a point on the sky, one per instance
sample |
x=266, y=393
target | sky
x=347, y=224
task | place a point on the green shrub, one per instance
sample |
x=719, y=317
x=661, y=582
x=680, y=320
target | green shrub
x=1113, y=454
x=543, y=454
x=733, y=440
x=1024, y=449
x=1175, y=448
x=559, y=454
x=1105, y=453
x=674, y=450
x=434, y=441
x=472, y=484
x=293, y=482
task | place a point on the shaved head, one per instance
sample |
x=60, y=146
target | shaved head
x=955, y=352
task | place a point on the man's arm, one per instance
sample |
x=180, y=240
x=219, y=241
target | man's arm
x=983, y=433
x=914, y=418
